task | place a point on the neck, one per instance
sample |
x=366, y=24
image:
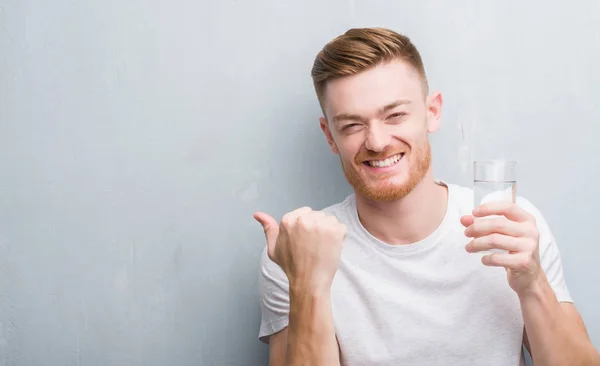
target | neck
x=409, y=219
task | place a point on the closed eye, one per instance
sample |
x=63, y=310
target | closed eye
x=397, y=115
x=349, y=126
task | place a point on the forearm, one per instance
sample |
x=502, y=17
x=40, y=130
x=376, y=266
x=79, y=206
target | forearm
x=554, y=338
x=311, y=333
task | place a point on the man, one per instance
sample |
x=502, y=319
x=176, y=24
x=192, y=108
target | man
x=393, y=275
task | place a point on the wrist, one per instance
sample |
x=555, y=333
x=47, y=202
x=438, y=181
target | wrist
x=309, y=290
x=537, y=291
x=308, y=306
x=311, y=285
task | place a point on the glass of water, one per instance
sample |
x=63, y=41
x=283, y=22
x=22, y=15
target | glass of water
x=494, y=180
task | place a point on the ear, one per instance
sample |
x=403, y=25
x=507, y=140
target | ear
x=434, y=111
x=328, y=135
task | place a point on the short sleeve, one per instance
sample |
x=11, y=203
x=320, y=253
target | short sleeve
x=549, y=253
x=274, y=298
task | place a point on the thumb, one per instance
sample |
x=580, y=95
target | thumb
x=271, y=229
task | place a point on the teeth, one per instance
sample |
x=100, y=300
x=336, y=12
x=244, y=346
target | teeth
x=385, y=163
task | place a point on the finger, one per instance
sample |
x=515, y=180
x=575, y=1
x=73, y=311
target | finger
x=507, y=260
x=271, y=229
x=497, y=241
x=500, y=225
x=317, y=215
x=343, y=229
x=290, y=218
x=310, y=218
x=505, y=208
x=467, y=220
x=331, y=221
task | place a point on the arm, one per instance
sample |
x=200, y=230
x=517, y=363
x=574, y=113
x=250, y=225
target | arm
x=300, y=261
x=310, y=337
x=554, y=332
x=278, y=348
x=311, y=334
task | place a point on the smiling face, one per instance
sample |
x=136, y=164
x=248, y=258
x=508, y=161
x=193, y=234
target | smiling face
x=378, y=122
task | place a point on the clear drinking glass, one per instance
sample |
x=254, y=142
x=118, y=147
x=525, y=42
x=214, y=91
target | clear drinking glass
x=494, y=180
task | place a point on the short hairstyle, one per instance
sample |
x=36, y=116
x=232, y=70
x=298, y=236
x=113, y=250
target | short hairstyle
x=360, y=49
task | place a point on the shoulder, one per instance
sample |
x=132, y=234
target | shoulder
x=460, y=197
x=343, y=210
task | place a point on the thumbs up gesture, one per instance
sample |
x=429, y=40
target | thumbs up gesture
x=307, y=245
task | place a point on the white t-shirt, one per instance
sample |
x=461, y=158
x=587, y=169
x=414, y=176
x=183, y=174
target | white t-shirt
x=426, y=303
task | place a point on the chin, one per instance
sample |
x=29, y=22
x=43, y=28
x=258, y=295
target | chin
x=385, y=194
x=388, y=183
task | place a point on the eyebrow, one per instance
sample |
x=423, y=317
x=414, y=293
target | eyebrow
x=394, y=105
x=355, y=117
x=346, y=117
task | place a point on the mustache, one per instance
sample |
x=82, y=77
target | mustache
x=365, y=154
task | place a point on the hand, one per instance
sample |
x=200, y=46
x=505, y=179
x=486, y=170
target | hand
x=514, y=231
x=307, y=246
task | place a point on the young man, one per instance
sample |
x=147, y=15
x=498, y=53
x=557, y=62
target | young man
x=393, y=275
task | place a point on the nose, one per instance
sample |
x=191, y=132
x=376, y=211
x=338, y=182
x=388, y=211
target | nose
x=377, y=138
